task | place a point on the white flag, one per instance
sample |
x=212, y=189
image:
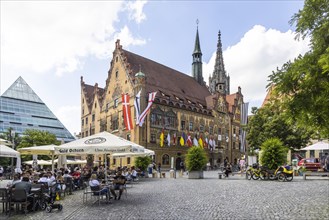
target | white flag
x=138, y=106
x=148, y=107
x=195, y=142
x=168, y=139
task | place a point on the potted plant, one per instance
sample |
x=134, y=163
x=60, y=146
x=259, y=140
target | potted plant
x=142, y=163
x=195, y=160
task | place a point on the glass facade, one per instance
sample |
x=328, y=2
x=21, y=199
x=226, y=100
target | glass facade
x=21, y=109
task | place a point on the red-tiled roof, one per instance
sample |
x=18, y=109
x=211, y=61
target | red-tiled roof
x=167, y=80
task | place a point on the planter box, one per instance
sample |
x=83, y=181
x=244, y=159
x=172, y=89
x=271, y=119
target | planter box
x=195, y=175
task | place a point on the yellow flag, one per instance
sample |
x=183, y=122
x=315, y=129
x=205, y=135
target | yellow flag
x=200, y=142
x=161, y=139
x=181, y=141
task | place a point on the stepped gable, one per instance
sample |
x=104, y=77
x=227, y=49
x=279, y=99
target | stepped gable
x=171, y=83
x=90, y=91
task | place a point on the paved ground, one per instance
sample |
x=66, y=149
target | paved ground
x=209, y=198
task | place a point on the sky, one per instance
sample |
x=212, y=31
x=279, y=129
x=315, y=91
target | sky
x=51, y=44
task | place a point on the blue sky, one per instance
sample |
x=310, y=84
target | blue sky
x=52, y=44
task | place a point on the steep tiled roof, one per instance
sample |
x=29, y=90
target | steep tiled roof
x=230, y=99
x=168, y=81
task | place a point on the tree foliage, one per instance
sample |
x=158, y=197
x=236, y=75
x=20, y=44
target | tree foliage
x=274, y=154
x=37, y=138
x=196, y=159
x=271, y=122
x=142, y=162
x=303, y=85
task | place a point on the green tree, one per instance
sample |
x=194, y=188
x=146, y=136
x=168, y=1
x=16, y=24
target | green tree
x=32, y=138
x=196, y=159
x=303, y=85
x=142, y=162
x=271, y=122
x=274, y=153
x=15, y=139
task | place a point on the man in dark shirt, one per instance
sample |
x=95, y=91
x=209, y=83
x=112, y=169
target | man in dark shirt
x=26, y=185
x=118, y=184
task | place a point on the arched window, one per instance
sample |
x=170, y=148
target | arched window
x=165, y=159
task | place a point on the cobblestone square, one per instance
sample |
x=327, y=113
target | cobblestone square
x=209, y=198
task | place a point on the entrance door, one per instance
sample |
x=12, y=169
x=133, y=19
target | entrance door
x=178, y=160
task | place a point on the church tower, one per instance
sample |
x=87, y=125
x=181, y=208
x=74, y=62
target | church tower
x=219, y=82
x=197, y=60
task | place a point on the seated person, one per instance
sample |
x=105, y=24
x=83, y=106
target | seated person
x=44, y=179
x=60, y=183
x=133, y=174
x=118, y=183
x=26, y=185
x=228, y=169
x=15, y=180
x=76, y=178
x=94, y=182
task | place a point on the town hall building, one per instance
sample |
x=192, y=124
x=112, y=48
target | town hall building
x=184, y=107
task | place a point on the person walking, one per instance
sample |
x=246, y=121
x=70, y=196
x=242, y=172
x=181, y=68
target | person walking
x=159, y=169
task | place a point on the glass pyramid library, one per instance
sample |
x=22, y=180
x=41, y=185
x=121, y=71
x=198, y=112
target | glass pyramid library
x=21, y=109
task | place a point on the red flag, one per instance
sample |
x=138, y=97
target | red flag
x=126, y=112
x=189, y=140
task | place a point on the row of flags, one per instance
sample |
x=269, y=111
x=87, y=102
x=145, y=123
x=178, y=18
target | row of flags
x=187, y=140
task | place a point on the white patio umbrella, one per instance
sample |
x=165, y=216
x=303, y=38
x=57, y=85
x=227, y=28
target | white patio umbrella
x=317, y=146
x=9, y=152
x=40, y=162
x=100, y=143
x=5, y=142
x=147, y=152
x=40, y=150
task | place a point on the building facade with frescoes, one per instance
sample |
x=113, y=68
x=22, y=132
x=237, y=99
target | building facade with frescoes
x=182, y=111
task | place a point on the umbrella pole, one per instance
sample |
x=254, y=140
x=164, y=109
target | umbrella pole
x=105, y=171
x=52, y=162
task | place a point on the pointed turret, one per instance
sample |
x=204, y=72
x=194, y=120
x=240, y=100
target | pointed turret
x=197, y=60
x=197, y=48
x=219, y=81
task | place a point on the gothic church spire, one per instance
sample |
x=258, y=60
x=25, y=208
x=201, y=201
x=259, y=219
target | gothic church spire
x=219, y=81
x=197, y=59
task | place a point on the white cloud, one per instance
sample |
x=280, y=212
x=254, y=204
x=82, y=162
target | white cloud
x=42, y=36
x=68, y=115
x=136, y=11
x=252, y=60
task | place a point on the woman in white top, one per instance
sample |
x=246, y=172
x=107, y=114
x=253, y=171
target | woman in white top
x=94, y=182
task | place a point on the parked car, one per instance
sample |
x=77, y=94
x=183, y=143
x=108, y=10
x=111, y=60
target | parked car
x=310, y=164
